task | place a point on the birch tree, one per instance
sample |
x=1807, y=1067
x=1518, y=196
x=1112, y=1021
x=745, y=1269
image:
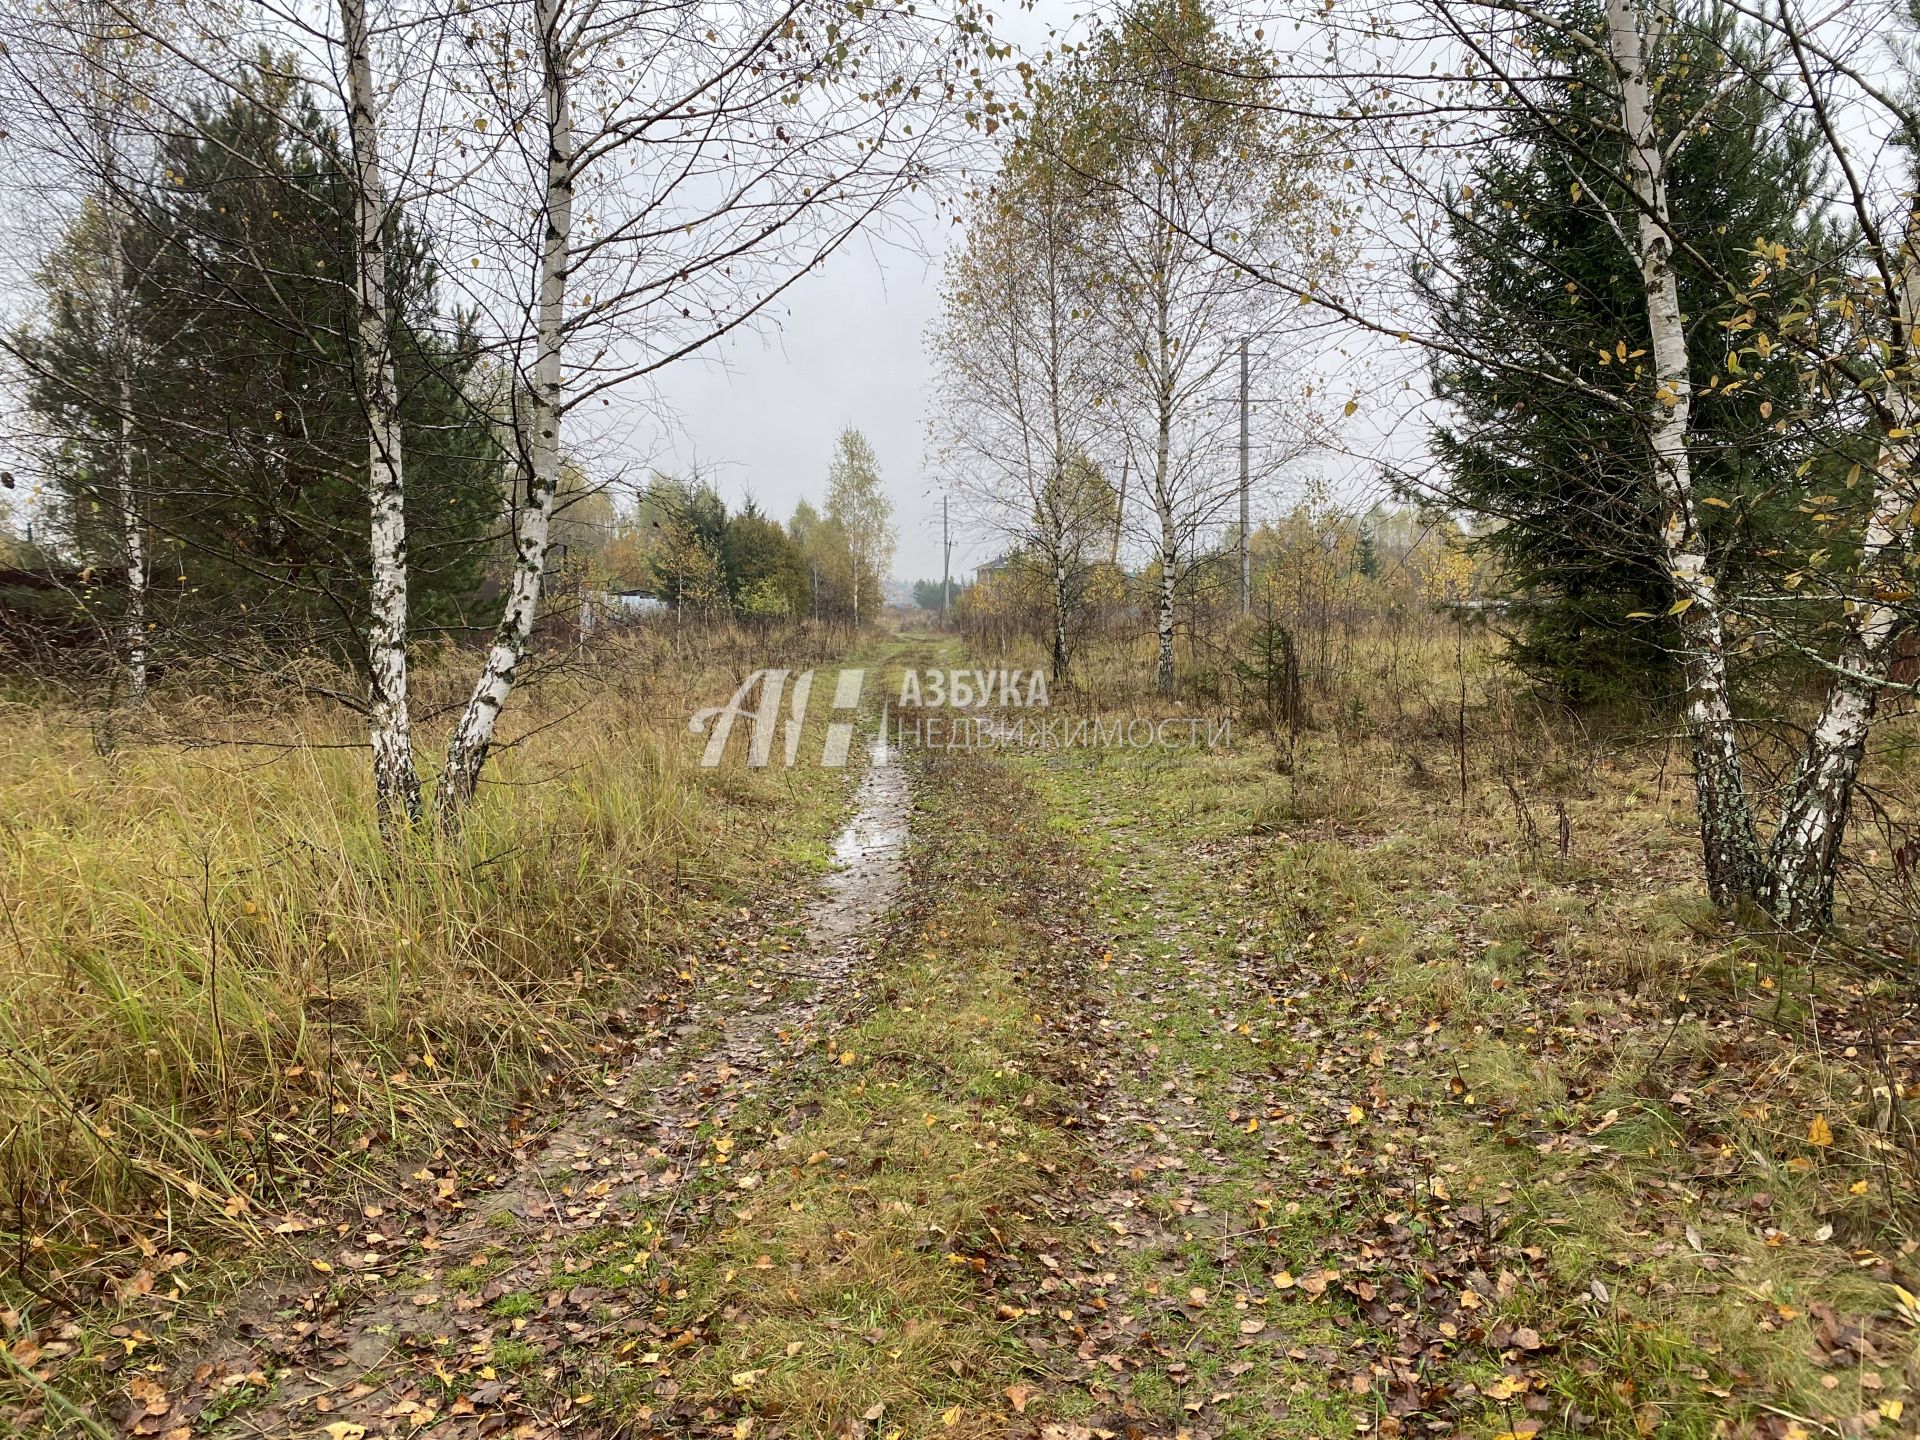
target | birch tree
x=78, y=81
x=1024, y=375
x=683, y=168
x=1168, y=125
x=538, y=440
x=858, y=511
x=1729, y=844
x=1873, y=356
x=396, y=783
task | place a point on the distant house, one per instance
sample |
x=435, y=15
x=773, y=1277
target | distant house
x=635, y=604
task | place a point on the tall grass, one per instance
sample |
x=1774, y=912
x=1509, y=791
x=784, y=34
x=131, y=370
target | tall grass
x=217, y=985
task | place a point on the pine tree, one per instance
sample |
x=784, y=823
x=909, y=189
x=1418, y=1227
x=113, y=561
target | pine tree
x=1543, y=281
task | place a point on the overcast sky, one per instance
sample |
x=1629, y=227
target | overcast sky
x=759, y=413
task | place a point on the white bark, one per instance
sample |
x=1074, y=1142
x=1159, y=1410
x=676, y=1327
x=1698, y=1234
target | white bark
x=396, y=783
x=473, y=735
x=1169, y=578
x=1806, y=843
x=133, y=538
x=1163, y=510
x=1062, y=601
x=1727, y=834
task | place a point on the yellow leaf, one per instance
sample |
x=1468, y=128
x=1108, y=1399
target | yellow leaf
x=950, y=1418
x=1819, y=1132
x=323, y=1267
x=1892, y=1409
x=1679, y=606
x=1355, y=1115
x=1352, y=405
x=346, y=1430
x=743, y=1379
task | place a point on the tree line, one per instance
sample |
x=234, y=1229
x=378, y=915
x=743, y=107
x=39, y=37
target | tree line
x=680, y=545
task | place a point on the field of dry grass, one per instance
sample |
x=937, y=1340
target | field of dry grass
x=1386, y=1076
x=222, y=999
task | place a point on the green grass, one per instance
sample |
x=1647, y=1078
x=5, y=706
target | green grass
x=1541, y=1021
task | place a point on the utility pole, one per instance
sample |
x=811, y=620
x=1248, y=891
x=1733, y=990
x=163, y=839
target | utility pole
x=946, y=560
x=1246, y=506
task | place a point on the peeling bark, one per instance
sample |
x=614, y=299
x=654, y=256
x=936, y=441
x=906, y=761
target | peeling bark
x=1728, y=839
x=396, y=783
x=473, y=735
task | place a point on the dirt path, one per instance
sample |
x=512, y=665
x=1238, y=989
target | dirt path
x=414, y=1339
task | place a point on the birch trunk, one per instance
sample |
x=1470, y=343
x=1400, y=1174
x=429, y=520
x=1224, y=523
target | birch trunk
x=1059, y=618
x=1169, y=559
x=133, y=539
x=1805, y=852
x=1163, y=484
x=473, y=735
x=396, y=783
x=133, y=536
x=1729, y=844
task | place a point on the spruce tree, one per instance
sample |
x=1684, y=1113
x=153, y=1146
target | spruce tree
x=1542, y=280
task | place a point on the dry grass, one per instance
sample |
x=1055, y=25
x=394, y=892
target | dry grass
x=218, y=988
